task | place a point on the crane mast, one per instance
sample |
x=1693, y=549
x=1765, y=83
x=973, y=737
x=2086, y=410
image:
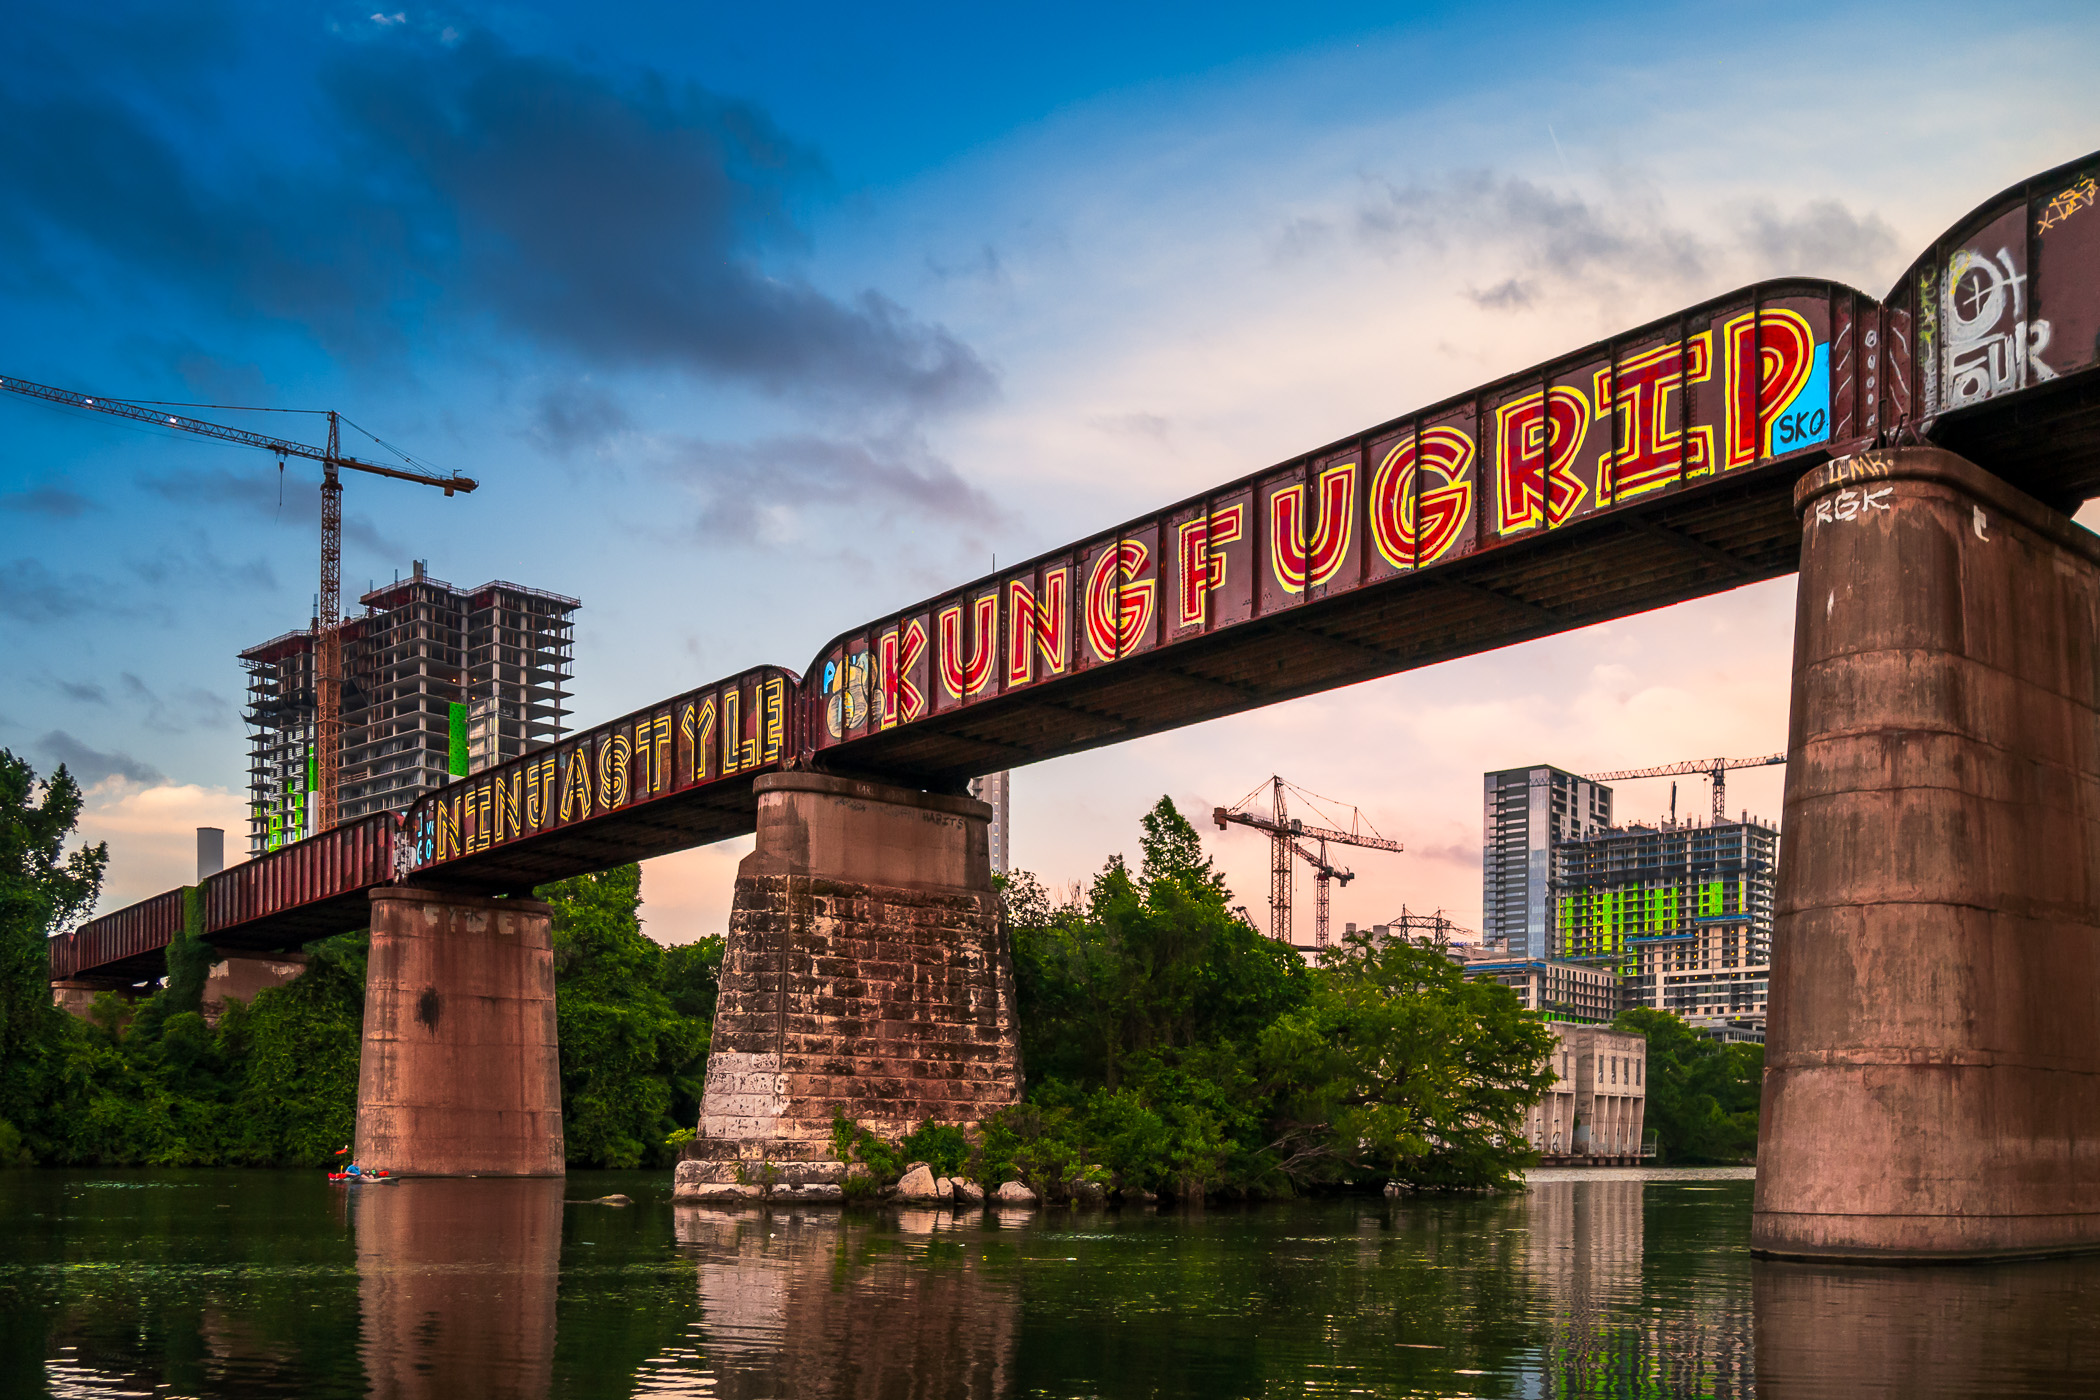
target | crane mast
x=328, y=613
x=1285, y=833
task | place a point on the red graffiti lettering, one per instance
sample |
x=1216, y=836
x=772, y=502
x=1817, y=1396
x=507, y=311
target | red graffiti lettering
x=1202, y=568
x=1651, y=451
x=1536, y=442
x=1410, y=532
x=1769, y=356
x=960, y=678
x=902, y=700
x=1300, y=563
x=1118, y=602
x=1036, y=625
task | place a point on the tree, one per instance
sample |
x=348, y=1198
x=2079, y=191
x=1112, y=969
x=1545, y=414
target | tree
x=1403, y=1066
x=43, y=890
x=1702, y=1095
x=1148, y=966
x=628, y=1058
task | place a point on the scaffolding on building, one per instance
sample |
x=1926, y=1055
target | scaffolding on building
x=439, y=682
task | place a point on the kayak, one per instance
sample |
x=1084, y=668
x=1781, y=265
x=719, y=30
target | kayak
x=373, y=1177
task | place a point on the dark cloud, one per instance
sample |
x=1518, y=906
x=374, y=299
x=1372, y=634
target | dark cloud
x=1823, y=239
x=186, y=709
x=291, y=496
x=744, y=486
x=29, y=592
x=464, y=186
x=56, y=502
x=579, y=416
x=82, y=692
x=208, y=376
x=193, y=561
x=90, y=765
x=1561, y=235
x=1510, y=294
x=1144, y=425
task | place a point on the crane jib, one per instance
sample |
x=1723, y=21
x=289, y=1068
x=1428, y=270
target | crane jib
x=284, y=447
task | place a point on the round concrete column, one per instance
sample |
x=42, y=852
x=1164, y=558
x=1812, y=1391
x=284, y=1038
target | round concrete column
x=1932, y=1080
x=459, y=1073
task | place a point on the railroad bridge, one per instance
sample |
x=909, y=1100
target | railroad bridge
x=1933, y=1080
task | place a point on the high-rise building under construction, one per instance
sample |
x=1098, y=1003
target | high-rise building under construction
x=1527, y=811
x=1682, y=909
x=438, y=682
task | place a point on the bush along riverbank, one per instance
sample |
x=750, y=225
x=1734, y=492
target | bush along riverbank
x=274, y=1083
x=1171, y=1049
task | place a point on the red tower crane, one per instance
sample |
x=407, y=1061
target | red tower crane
x=1285, y=834
x=328, y=639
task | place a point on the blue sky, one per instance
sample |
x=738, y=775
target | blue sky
x=756, y=324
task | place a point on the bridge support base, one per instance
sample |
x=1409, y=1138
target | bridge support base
x=1932, y=1080
x=458, y=1074
x=867, y=973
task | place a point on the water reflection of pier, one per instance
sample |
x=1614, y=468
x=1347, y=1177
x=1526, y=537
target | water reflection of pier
x=805, y=1302
x=456, y=1287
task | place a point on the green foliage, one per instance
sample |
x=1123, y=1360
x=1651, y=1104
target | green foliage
x=147, y=1082
x=1702, y=1094
x=632, y=1062
x=881, y=1162
x=1172, y=1048
x=1402, y=1066
x=43, y=890
x=943, y=1147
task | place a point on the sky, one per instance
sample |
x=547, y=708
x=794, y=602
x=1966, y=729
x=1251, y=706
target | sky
x=755, y=324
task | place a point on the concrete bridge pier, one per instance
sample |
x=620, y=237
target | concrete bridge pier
x=458, y=1074
x=1932, y=1080
x=867, y=972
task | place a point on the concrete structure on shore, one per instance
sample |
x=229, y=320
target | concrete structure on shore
x=1596, y=1112
x=1559, y=991
x=1932, y=1080
x=867, y=972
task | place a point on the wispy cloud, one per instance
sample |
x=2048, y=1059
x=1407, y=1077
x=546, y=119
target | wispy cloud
x=759, y=493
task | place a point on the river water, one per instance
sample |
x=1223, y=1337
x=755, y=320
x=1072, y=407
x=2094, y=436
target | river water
x=1630, y=1283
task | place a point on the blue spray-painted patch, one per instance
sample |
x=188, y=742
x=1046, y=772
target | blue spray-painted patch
x=1805, y=420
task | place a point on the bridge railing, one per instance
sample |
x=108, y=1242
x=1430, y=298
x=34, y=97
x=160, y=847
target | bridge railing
x=138, y=930
x=332, y=865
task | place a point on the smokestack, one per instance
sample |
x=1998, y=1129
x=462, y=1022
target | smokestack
x=211, y=851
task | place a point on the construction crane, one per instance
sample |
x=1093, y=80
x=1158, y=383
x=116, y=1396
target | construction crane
x=1714, y=768
x=328, y=640
x=1286, y=835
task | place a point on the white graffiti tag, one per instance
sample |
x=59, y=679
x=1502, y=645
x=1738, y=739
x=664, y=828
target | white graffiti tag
x=1850, y=505
x=1989, y=345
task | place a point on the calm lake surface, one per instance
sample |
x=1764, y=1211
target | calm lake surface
x=1633, y=1283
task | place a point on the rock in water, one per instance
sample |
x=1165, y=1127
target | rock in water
x=1013, y=1193
x=968, y=1193
x=918, y=1184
